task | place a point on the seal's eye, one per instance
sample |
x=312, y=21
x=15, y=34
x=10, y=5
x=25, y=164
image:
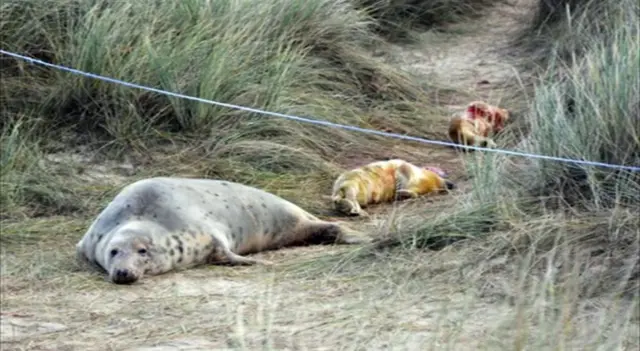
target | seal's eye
x=114, y=252
x=142, y=251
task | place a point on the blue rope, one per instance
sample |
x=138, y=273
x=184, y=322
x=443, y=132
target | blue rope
x=313, y=121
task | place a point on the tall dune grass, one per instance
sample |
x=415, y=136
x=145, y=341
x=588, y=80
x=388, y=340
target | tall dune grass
x=287, y=56
x=304, y=58
x=569, y=28
x=400, y=20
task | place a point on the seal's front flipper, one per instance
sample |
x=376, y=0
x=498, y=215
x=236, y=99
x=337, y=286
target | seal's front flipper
x=83, y=262
x=235, y=259
x=404, y=194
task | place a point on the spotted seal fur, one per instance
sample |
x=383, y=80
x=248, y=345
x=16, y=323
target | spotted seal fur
x=159, y=224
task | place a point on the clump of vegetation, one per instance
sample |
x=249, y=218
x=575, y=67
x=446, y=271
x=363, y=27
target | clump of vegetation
x=400, y=19
x=569, y=28
x=282, y=62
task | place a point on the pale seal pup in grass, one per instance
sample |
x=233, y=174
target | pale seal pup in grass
x=385, y=181
x=160, y=224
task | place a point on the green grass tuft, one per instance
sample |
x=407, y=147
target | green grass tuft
x=562, y=29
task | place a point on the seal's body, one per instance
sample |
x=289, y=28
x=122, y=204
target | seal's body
x=477, y=123
x=159, y=224
x=384, y=181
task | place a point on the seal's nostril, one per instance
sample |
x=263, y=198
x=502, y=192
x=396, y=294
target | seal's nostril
x=124, y=276
x=122, y=273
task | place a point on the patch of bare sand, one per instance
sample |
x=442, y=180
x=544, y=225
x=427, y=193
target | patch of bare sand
x=468, y=56
x=424, y=300
x=15, y=327
x=251, y=307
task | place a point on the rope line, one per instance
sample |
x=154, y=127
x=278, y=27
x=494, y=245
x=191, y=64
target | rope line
x=313, y=121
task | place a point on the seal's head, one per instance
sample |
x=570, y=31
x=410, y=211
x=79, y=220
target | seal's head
x=443, y=175
x=437, y=170
x=496, y=116
x=128, y=257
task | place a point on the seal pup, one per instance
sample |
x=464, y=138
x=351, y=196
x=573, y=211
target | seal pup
x=478, y=121
x=159, y=224
x=385, y=181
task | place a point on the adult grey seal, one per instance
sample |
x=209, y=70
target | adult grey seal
x=159, y=224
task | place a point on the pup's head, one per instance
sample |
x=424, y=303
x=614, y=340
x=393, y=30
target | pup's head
x=449, y=184
x=444, y=183
x=496, y=116
x=345, y=206
x=478, y=109
x=128, y=256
